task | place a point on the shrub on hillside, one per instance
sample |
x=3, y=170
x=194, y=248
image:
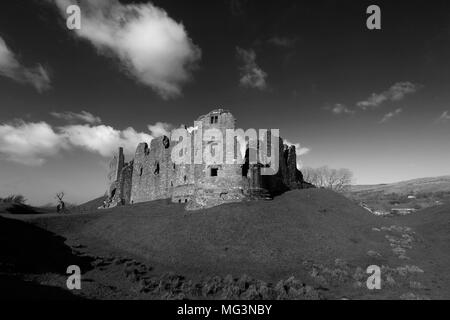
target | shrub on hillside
x=14, y=198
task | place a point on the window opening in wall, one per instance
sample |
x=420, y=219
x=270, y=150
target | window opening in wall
x=156, y=168
x=214, y=119
x=185, y=178
x=141, y=171
x=166, y=142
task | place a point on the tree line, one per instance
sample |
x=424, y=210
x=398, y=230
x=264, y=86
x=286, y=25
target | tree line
x=338, y=180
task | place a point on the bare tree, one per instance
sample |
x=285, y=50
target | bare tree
x=61, y=205
x=324, y=177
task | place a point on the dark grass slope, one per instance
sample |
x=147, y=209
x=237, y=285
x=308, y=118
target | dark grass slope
x=20, y=208
x=27, y=249
x=30, y=249
x=267, y=239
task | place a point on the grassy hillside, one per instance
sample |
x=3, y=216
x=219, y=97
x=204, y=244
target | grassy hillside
x=318, y=240
x=422, y=185
x=427, y=192
x=267, y=238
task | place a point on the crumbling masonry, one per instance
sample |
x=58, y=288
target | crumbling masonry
x=152, y=175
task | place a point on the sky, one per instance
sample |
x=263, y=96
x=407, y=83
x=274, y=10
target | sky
x=373, y=101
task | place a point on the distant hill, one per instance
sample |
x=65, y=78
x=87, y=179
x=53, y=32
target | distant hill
x=421, y=185
x=20, y=208
x=90, y=206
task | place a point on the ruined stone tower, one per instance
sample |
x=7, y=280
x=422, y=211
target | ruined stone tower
x=229, y=176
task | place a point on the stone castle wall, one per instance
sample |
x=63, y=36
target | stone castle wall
x=152, y=175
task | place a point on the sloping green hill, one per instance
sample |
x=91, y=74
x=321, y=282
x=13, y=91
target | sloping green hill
x=314, y=235
x=421, y=185
x=264, y=238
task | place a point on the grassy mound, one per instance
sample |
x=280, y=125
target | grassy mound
x=267, y=239
x=303, y=244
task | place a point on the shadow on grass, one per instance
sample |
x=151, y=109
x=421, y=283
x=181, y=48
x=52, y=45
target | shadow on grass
x=28, y=249
x=15, y=288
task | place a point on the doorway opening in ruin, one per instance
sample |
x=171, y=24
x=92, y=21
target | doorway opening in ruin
x=113, y=193
x=214, y=172
x=245, y=168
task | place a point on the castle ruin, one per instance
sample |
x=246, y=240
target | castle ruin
x=153, y=174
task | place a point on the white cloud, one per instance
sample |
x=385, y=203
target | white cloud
x=395, y=93
x=33, y=143
x=103, y=139
x=151, y=47
x=83, y=116
x=29, y=143
x=388, y=116
x=160, y=129
x=252, y=76
x=339, y=108
x=445, y=117
x=11, y=68
x=300, y=151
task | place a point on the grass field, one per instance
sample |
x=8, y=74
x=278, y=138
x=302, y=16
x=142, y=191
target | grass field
x=318, y=237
